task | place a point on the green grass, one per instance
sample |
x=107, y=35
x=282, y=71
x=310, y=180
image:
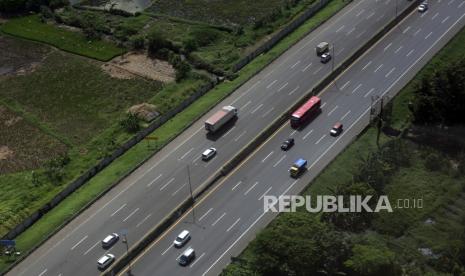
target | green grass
x=31, y=27
x=44, y=227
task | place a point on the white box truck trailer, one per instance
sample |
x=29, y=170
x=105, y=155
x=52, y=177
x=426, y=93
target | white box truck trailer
x=221, y=117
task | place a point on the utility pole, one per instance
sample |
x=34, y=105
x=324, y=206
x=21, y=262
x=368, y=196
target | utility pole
x=125, y=241
x=332, y=60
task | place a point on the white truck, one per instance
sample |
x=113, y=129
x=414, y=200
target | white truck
x=221, y=117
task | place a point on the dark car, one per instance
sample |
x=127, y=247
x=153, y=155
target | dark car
x=325, y=57
x=286, y=145
x=336, y=130
x=186, y=257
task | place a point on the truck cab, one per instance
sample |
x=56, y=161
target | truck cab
x=298, y=167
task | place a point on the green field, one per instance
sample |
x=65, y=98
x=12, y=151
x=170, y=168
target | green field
x=32, y=28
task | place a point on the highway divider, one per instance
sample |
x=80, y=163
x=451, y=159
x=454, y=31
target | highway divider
x=188, y=203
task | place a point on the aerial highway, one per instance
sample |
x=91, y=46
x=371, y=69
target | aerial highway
x=229, y=216
x=147, y=195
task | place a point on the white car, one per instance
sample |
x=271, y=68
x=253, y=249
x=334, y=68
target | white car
x=423, y=7
x=182, y=239
x=208, y=154
x=109, y=240
x=105, y=261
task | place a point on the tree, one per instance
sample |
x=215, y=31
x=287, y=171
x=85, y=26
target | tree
x=182, y=70
x=156, y=41
x=130, y=123
x=372, y=258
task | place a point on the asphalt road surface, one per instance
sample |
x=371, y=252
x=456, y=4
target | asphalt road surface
x=228, y=218
x=145, y=197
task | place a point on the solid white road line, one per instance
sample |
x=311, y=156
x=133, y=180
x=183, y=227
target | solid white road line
x=445, y=19
x=398, y=49
x=167, y=183
x=339, y=52
x=142, y=221
x=79, y=242
x=230, y=227
x=409, y=53
x=359, y=13
x=434, y=16
x=43, y=272
x=345, y=115
x=264, y=194
x=279, y=161
x=340, y=28
x=323, y=104
x=197, y=259
x=153, y=181
x=406, y=30
x=293, y=132
x=426, y=37
x=264, y=159
x=119, y=209
x=317, y=70
x=206, y=213
x=179, y=189
x=370, y=15
x=235, y=186
x=332, y=110
x=218, y=219
x=415, y=33
x=250, y=189
x=461, y=4
x=130, y=215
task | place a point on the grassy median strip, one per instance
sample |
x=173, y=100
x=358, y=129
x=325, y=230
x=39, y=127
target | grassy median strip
x=30, y=27
x=54, y=219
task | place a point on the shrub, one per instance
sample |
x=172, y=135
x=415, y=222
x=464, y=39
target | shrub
x=130, y=123
x=190, y=45
x=182, y=70
x=157, y=41
x=137, y=42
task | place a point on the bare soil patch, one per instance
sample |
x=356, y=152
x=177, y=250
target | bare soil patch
x=133, y=64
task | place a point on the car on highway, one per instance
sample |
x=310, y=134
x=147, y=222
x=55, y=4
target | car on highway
x=423, y=7
x=110, y=240
x=186, y=257
x=208, y=154
x=325, y=57
x=105, y=261
x=287, y=144
x=336, y=130
x=182, y=239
